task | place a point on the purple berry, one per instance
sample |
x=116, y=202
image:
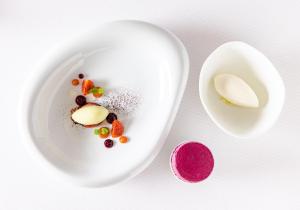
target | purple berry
x=81, y=76
x=108, y=143
x=111, y=117
x=80, y=100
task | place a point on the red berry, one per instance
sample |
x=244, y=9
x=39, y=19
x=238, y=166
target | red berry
x=111, y=117
x=123, y=139
x=80, y=100
x=80, y=76
x=75, y=82
x=86, y=86
x=108, y=143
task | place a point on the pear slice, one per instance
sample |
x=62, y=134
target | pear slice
x=235, y=90
x=89, y=115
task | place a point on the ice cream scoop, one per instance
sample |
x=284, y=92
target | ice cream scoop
x=192, y=162
x=89, y=115
x=235, y=90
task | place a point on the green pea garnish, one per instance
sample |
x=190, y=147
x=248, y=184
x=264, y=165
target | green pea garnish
x=96, y=131
x=104, y=130
x=101, y=90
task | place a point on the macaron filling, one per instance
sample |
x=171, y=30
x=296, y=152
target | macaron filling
x=192, y=162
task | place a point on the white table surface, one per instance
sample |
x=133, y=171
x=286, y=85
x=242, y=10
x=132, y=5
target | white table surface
x=262, y=173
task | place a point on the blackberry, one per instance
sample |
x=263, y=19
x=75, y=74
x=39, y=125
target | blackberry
x=108, y=143
x=80, y=100
x=111, y=117
x=81, y=76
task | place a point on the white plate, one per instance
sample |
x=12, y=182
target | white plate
x=130, y=54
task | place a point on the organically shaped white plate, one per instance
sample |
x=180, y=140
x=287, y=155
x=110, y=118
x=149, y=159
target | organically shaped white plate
x=252, y=66
x=131, y=54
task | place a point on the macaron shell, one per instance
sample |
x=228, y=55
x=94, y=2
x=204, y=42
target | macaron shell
x=192, y=162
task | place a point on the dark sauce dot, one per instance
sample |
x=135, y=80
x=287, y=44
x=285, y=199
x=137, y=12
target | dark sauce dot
x=81, y=76
x=111, y=117
x=80, y=100
x=108, y=143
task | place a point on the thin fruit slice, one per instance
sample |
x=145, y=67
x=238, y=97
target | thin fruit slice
x=87, y=85
x=89, y=115
x=117, y=129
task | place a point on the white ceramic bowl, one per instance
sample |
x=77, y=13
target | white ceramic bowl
x=131, y=54
x=252, y=66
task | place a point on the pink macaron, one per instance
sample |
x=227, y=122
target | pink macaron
x=192, y=162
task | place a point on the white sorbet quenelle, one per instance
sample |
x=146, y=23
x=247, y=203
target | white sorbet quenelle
x=235, y=90
x=89, y=114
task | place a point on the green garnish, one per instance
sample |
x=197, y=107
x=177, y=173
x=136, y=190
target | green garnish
x=104, y=130
x=226, y=101
x=93, y=90
x=99, y=90
x=96, y=131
